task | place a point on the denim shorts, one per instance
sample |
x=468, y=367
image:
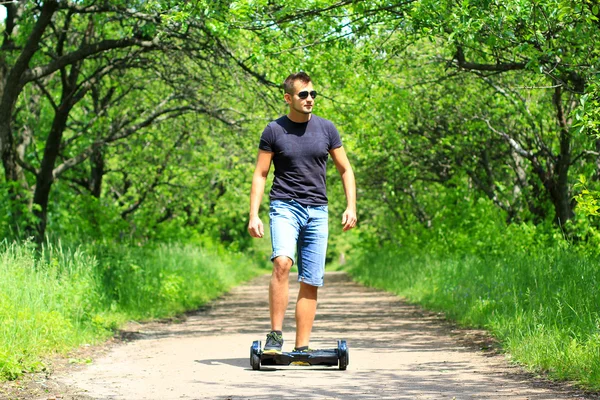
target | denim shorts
x=300, y=233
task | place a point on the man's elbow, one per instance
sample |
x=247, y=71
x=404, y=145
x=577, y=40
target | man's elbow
x=260, y=175
x=346, y=171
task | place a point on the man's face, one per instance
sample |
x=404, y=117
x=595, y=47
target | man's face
x=303, y=106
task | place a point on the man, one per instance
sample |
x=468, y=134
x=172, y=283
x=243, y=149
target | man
x=298, y=144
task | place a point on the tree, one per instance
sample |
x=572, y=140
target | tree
x=81, y=56
x=500, y=85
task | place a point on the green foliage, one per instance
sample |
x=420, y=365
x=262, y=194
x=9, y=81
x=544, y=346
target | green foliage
x=587, y=114
x=588, y=201
x=43, y=303
x=156, y=281
x=65, y=297
x=541, y=304
x=588, y=209
x=523, y=282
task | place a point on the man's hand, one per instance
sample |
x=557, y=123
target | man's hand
x=349, y=219
x=255, y=227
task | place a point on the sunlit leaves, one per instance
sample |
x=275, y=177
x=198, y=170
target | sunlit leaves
x=588, y=202
x=414, y=118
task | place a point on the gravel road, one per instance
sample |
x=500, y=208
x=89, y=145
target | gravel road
x=397, y=351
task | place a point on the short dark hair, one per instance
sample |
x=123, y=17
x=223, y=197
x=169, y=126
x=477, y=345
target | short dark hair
x=288, y=84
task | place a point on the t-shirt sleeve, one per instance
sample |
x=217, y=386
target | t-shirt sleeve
x=267, y=140
x=334, y=137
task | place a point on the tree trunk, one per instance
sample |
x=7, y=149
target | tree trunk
x=45, y=177
x=13, y=174
x=597, y=175
x=97, y=172
x=10, y=89
x=561, y=193
x=9, y=159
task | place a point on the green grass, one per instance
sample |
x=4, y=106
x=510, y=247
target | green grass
x=65, y=297
x=544, y=308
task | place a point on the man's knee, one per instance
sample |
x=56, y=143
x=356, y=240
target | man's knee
x=281, y=267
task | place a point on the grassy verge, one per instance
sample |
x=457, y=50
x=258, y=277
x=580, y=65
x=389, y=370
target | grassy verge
x=544, y=308
x=67, y=297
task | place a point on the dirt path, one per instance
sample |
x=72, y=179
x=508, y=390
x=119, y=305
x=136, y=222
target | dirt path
x=397, y=351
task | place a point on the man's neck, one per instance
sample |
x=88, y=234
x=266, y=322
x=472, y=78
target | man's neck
x=298, y=117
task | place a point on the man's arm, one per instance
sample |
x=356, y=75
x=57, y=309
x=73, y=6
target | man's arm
x=343, y=166
x=263, y=164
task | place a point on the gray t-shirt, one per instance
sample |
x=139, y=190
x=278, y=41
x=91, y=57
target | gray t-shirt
x=300, y=158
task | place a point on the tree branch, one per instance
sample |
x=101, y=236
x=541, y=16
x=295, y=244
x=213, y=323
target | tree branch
x=26, y=166
x=98, y=113
x=11, y=15
x=154, y=118
x=459, y=57
x=512, y=142
x=46, y=93
x=489, y=191
x=106, y=7
x=585, y=153
x=522, y=105
x=299, y=15
x=88, y=83
x=14, y=79
x=84, y=52
x=157, y=176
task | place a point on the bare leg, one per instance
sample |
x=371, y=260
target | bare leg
x=306, y=308
x=279, y=291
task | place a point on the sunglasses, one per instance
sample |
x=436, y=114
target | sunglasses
x=304, y=94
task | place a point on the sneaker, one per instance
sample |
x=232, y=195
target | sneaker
x=274, y=343
x=309, y=350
